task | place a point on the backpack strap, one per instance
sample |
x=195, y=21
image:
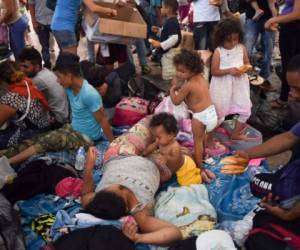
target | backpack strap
x=28, y=104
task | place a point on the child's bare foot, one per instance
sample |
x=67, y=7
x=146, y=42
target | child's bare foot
x=258, y=14
x=239, y=137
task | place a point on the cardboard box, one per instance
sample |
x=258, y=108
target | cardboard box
x=127, y=23
x=187, y=40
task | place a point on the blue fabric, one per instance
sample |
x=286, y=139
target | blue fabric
x=65, y=15
x=83, y=105
x=230, y=194
x=64, y=220
x=296, y=130
x=17, y=35
x=37, y=206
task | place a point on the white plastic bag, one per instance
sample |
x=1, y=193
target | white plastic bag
x=179, y=111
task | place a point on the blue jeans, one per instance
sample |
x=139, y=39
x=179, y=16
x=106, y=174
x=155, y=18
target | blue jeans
x=17, y=35
x=202, y=34
x=91, y=55
x=141, y=51
x=252, y=30
x=65, y=38
x=43, y=33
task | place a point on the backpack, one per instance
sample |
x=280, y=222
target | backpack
x=281, y=238
x=129, y=111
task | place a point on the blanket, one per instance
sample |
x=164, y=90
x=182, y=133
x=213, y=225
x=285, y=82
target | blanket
x=230, y=194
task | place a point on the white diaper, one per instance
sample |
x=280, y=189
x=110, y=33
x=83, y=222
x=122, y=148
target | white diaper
x=208, y=117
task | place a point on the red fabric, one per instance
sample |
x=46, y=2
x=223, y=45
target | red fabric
x=21, y=89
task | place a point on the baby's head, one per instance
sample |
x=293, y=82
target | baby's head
x=188, y=63
x=228, y=33
x=164, y=128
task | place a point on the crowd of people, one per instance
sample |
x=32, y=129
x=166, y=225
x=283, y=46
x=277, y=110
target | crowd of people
x=68, y=103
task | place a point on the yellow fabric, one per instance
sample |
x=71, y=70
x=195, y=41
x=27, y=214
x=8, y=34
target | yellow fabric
x=188, y=174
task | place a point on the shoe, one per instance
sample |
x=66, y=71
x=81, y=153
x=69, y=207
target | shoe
x=146, y=70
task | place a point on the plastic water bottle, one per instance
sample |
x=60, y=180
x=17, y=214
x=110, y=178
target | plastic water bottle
x=80, y=159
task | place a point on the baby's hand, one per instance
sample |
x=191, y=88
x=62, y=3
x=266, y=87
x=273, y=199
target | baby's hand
x=130, y=229
x=234, y=72
x=154, y=43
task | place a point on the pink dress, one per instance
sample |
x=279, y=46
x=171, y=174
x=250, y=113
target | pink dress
x=231, y=94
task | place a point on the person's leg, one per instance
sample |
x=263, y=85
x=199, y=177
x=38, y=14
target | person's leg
x=251, y=34
x=210, y=30
x=198, y=130
x=44, y=37
x=199, y=31
x=66, y=40
x=267, y=39
x=287, y=46
x=17, y=36
x=23, y=155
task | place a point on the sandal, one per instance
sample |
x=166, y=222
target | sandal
x=277, y=104
x=266, y=85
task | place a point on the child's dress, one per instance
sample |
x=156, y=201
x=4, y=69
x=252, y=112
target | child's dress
x=231, y=94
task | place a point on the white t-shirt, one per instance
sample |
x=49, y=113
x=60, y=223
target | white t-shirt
x=205, y=12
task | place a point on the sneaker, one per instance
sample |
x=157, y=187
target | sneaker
x=146, y=70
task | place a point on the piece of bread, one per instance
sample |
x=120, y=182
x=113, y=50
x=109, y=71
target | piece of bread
x=245, y=68
x=234, y=160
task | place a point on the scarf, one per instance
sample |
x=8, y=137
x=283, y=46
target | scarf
x=21, y=89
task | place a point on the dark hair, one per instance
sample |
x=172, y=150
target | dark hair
x=294, y=64
x=225, y=28
x=107, y=205
x=189, y=59
x=9, y=72
x=166, y=120
x=94, y=74
x=32, y=55
x=68, y=63
x=173, y=4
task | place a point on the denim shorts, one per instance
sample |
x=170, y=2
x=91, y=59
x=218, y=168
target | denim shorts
x=65, y=38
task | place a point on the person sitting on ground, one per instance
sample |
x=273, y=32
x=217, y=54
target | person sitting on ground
x=23, y=108
x=170, y=38
x=88, y=125
x=30, y=62
x=194, y=92
x=164, y=128
x=111, y=86
x=127, y=187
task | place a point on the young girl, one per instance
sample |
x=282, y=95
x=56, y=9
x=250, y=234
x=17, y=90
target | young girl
x=229, y=88
x=194, y=92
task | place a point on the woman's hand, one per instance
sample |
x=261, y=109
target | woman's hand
x=271, y=23
x=110, y=12
x=91, y=158
x=130, y=229
x=234, y=72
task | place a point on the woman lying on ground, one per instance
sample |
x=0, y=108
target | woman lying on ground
x=127, y=187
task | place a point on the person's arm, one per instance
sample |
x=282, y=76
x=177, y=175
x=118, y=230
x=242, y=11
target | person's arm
x=87, y=192
x=152, y=230
x=101, y=118
x=32, y=14
x=7, y=113
x=98, y=9
x=178, y=98
x=9, y=11
x=275, y=145
x=287, y=215
x=293, y=16
x=215, y=67
x=245, y=56
x=150, y=148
